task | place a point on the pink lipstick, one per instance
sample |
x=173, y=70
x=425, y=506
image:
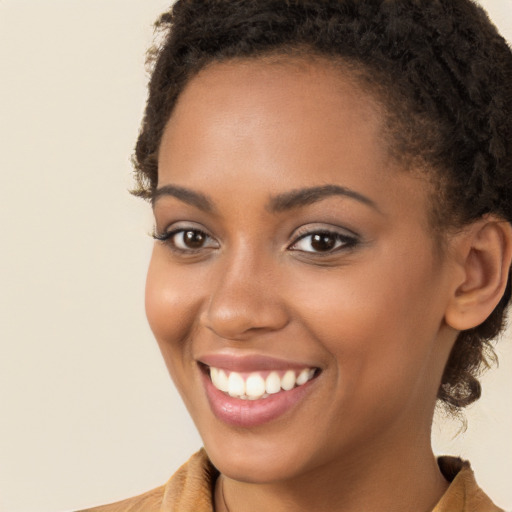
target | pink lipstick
x=248, y=391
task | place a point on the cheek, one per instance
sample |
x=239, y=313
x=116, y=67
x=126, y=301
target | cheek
x=171, y=308
x=369, y=318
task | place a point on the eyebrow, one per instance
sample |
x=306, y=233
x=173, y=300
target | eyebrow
x=307, y=196
x=186, y=195
x=279, y=203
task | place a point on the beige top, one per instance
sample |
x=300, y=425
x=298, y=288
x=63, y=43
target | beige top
x=190, y=489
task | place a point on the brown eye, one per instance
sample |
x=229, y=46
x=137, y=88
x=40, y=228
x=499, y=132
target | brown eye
x=318, y=242
x=323, y=242
x=192, y=239
x=187, y=240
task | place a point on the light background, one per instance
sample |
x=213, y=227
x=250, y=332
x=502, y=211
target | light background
x=88, y=414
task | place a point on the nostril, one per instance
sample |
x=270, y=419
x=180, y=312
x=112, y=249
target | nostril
x=238, y=321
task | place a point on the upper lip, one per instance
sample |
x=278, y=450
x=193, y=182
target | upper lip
x=250, y=363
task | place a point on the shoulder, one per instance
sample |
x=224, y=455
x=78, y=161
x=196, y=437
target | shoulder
x=463, y=494
x=190, y=489
x=149, y=501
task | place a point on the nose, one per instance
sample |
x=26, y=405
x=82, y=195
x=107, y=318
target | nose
x=244, y=300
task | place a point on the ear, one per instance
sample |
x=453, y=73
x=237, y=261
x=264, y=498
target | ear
x=483, y=254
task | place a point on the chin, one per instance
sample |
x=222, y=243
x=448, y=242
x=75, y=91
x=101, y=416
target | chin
x=262, y=469
x=254, y=458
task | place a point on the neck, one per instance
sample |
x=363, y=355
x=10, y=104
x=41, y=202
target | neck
x=375, y=481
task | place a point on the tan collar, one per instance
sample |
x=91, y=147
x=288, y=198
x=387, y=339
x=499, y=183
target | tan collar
x=463, y=495
x=190, y=489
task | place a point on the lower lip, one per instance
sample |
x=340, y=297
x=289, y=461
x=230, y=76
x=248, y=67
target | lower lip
x=251, y=413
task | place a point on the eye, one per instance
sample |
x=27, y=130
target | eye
x=190, y=239
x=187, y=240
x=323, y=242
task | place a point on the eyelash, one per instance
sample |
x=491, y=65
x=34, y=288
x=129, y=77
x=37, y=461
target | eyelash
x=167, y=238
x=341, y=241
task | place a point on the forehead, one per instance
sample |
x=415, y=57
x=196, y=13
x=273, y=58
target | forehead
x=280, y=103
x=305, y=84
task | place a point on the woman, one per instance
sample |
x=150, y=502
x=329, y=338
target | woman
x=331, y=188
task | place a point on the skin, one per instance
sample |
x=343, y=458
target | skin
x=370, y=315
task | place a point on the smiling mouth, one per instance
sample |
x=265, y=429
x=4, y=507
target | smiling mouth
x=260, y=384
x=247, y=392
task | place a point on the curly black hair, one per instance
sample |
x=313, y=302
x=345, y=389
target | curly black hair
x=440, y=69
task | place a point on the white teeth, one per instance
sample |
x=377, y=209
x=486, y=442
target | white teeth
x=254, y=386
x=273, y=383
x=219, y=379
x=223, y=381
x=288, y=381
x=303, y=377
x=236, y=384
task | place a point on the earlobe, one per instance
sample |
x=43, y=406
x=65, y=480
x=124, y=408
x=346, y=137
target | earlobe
x=484, y=254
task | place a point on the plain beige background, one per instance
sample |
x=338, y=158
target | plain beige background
x=88, y=413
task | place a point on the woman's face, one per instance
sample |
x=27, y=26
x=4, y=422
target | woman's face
x=297, y=255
